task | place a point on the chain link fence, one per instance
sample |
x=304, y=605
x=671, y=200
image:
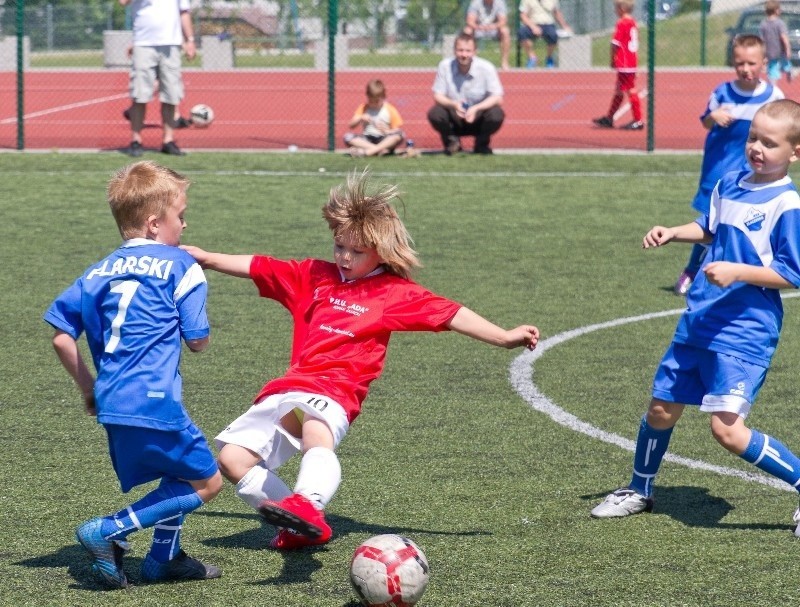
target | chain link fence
x=276, y=78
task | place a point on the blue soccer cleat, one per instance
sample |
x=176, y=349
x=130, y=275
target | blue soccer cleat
x=106, y=554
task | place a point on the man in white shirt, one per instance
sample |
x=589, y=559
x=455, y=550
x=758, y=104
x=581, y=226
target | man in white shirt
x=468, y=97
x=161, y=30
x=538, y=19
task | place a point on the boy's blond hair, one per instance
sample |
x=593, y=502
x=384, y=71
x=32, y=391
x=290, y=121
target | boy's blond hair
x=771, y=7
x=375, y=88
x=748, y=41
x=140, y=190
x=370, y=220
x=625, y=5
x=789, y=112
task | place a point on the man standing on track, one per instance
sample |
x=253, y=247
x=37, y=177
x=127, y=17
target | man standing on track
x=161, y=29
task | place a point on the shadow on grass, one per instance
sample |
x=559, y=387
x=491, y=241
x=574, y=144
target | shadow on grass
x=695, y=507
x=258, y=538
x=300, y=565
x=76, y=561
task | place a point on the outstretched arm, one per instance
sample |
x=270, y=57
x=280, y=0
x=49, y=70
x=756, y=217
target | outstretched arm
x=477, y=327
x=67, y=350
x=690, y=232
x=234, y=265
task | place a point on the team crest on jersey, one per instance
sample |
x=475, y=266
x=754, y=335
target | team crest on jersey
x=754, y=219
x=351, y=308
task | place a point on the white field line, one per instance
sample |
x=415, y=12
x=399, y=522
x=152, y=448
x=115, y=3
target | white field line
x=521, y=377
x=69, y=106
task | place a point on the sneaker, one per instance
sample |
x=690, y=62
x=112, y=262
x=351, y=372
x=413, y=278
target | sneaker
x=172, y=149
x=604, y=122
x=683, y=283
x=550, y=63
x=485, y=150
x=135, y=150
x=286, y=539
x=532, y=61
x=106, y=554
x=296, y=512
x=796, y=519
x=453, y=146
x=636, y=125
x=183, y=123
x=182, y=567
x=623, y=502
x=357, y=152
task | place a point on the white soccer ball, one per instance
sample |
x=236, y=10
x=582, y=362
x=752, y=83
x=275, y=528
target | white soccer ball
x=389, y=571
x=202, y=115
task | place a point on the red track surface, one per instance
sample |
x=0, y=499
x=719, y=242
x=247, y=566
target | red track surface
x=274, y=109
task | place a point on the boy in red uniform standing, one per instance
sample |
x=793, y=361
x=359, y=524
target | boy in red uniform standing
x=624, y=59
x=344, y=313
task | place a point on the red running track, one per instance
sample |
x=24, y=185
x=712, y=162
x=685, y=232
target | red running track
x=257, y=109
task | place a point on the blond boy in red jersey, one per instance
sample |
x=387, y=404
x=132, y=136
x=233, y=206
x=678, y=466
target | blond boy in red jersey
x=344, y=313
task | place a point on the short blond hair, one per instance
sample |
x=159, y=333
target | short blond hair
x=625, y=5
x=370, y=220
x=140, y=190
x=748, y=41
x=789, y=112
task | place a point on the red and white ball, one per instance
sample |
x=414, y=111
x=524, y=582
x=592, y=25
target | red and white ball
x=202, y=115
x=389, y=571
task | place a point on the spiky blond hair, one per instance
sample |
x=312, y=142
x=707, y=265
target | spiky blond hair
x=370, y=220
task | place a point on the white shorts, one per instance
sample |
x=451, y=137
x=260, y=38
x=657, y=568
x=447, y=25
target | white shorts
x=259, y=429
x=486, y=34
x=151, y=63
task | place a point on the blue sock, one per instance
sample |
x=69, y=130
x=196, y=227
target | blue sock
x=772, y=456
x=167, y=539
x=651, y=445
x=171, y=498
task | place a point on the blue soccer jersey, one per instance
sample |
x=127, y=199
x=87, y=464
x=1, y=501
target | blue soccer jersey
x=135, y=306
x=755, y=224
x=724, y=147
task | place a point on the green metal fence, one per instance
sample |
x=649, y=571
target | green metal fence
x=69, y=58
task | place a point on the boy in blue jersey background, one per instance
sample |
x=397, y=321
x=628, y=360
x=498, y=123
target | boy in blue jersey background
x=727, y=117
x=135, y=306
x=725, y=339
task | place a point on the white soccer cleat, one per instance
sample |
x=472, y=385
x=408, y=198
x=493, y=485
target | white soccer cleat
x=624, y=502
x=796, y=519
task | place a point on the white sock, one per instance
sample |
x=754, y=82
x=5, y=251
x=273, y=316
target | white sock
x=319, y=476
x=260, y=484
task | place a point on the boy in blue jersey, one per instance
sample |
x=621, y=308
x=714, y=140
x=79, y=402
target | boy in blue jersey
x=725, y=339
x=727, y=117
x=135, y=306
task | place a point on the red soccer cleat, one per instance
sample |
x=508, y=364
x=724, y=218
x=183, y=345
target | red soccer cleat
x=298, y=514
x=286, y=539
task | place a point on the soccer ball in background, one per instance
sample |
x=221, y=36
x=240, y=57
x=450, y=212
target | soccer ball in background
x=202, y=115
x=389, y=571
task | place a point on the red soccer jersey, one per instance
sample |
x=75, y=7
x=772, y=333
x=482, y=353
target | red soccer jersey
x=626, y=45
x=342, y=329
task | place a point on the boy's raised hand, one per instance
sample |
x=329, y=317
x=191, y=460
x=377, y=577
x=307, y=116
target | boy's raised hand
x=200, y=255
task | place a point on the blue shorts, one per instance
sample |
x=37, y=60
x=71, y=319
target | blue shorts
x=549, y=33
x=140, y=455
x=717, y=382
